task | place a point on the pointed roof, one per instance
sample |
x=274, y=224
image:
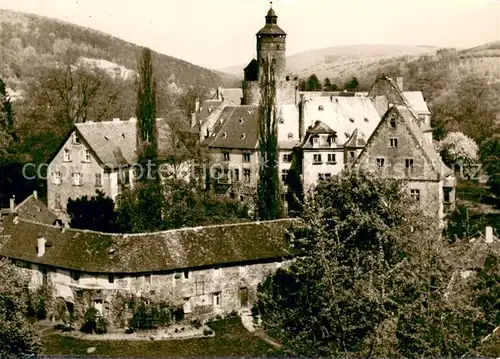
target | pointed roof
x=271, y=27
x=320, y=128
x=357, y=139
x=34, y=209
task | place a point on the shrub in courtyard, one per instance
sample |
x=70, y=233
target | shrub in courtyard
x=101, y=326
x=90, y=320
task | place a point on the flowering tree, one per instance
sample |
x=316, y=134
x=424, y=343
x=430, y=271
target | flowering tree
x=458, y=149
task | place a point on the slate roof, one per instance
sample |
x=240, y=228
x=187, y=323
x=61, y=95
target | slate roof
x=320, y=128
x=271, y=29
x=237, y=127
x=342, y=114
x=416, y=100
x=357, y=140
x=471, y=253
x=34, y=209
x=113, y=142
x=96, y=252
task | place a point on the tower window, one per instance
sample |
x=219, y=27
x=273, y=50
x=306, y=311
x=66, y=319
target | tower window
x=277, y=47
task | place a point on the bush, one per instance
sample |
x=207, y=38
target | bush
x=90, y=320
x=101, y=325
x=196, y=324
x=233, y=314
x=151, y=316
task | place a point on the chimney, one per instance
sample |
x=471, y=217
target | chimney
x=35, y=194
x=399, y=82
x=13, y=203
x=193, y=119
x=40, y=247
x=197, y=105
x=489, y=234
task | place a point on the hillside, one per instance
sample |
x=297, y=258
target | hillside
x=27, y=39
x=340, y=59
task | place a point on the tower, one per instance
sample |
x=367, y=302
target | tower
x=271, y=43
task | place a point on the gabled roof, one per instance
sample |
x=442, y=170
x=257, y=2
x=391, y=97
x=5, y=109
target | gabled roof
x=96, y=252
x=409, y=120
x=237, y=127
x=113, y=142
x=357, y=140
x=320, y=128
x=232, y=96
x=34, y=209
x=206, y=109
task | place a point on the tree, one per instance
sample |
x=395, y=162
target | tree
x=268, y=190
x=352, y=85
x=96, y=213
x=313, y=83
x=490, y=159
x=458, y=149
x=329, y=86
x=146, y=112
x=302, y=85
x=368, y=264
x=188, y=99
x=17, y=335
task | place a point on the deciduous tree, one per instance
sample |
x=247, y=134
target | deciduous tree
x=96, y=213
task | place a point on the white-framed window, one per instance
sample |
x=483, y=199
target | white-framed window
x=76, y=138
x=317, y=158
x=216, y=272
x=409, y=165
x=226, y=156
x=331, y=158
x=287, y=157
x=236, y=174
x=284, y=175
x=415, y=194
x=98, y=180
x=290, y=136
x=324, y=176
x=87, y=156
x=57, y=177
x=315, y=140
x=217, y=299
x=246, y=175
x=77, y=178
x=67, y=155
x=380, y=162
x=393, y=142
x=246, y=157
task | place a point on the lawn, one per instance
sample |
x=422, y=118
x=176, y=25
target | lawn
x=231, y=339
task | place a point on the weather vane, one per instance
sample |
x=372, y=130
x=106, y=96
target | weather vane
x=271, y=3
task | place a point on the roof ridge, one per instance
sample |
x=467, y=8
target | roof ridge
x=23, y=202
x=129, y=235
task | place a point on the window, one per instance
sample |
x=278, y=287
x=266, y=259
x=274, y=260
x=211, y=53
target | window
x=446, y=194
x=290, y=136
x=246, y=175
x=216, y=272
x=75, y=276
x=331, y=158
x=320, y=108
x=351, y=119
x=77, y=178
x=126, y=177
x=317, y=158
x=226, y=156
x=315, y=140
x=243, y=269
x=284, y=175
x=246, y=157
x=57, y=178
x=281, y=120
x=409, y=165
x=415, y=194
x=45, y=276
x=216, y=299
x=111, y=278
x=147, y=278
x=380, y=162
x=352, y=154
x=392, y=123
x=57, y=201
x=67, y=155
x=324, y=176
x=393, y=142
x=287, y=157
x=87, y=156
x=76, y=138
x=186, y=274
x=236, y=174
x=98, y=180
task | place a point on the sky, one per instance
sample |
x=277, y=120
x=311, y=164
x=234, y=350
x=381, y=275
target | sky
x=221, y=33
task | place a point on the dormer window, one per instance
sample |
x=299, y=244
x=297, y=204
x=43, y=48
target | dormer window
x=320, y=108
x=241, y=120
x=243, y=136
x=224, y=135
x=315, y=140
x=281, y=121
x=366, y=119
x=290, y=136
x=351, y=119
x=67, y=155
